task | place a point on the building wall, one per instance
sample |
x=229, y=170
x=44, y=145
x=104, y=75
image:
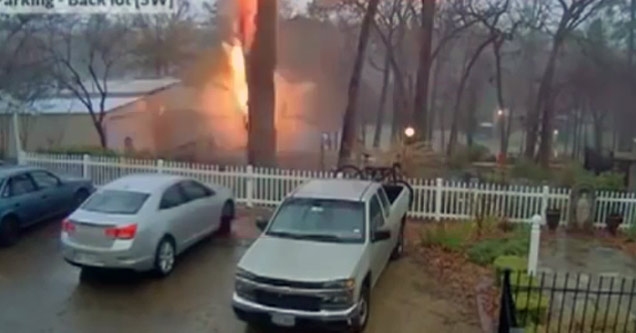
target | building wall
x=50, y=131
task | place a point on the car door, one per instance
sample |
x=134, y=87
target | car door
x=381, y=249
x=23, y=199
x=52, y=194
x=204, y=211
x=173, y=209
x=393, y=221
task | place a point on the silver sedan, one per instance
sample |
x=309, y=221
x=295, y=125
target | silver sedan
x=142, y=222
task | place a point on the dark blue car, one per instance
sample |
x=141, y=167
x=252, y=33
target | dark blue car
x=30, y=195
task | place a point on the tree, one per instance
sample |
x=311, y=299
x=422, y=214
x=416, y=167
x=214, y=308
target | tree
x=261, y=63
x=349, y=126
x=573, y=13
x=165, y=42
x=84, y=55
x=420, y=105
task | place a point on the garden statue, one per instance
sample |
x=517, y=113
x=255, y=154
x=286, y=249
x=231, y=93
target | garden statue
x=582, y=203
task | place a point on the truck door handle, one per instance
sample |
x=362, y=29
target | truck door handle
x=16, y=205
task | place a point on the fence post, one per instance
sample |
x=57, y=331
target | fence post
x=544, y=201
x=507, y=308
x=250, y=186
x=85, y=161
x=160, y=166
x=535, y=240
x=438, y=199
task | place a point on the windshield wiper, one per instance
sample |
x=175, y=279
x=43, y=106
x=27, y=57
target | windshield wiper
x=322, y=237
x=318, y=237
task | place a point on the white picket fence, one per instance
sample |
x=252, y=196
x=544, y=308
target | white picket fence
x=433, y=199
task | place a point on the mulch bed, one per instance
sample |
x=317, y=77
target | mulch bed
x=464, y=281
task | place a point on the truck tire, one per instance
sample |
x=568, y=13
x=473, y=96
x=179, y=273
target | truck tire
x=361, y=320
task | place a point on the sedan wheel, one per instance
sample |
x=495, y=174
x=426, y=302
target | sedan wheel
x=9, y=231
x=165, y=257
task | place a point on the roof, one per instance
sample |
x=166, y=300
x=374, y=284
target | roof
x=121, y=92
x=144, y=183
x=336, y=189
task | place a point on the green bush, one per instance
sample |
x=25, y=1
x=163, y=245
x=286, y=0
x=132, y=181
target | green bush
x=610, y=181
x=452, y=237
x=631, y=231
x=530, y=171
x=532, y=307
x=514, y=263
x=94, y=151
x=486, y=251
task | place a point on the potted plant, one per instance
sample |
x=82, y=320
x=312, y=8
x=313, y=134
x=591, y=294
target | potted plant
x=553, y=218
x=613, y=221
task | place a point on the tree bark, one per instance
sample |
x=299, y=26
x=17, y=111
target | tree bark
x=262, y=94
x=545, y=104
x=379, y=122
x=348, y=124
x=503, y=145
x=452, y=141
x=420, y=105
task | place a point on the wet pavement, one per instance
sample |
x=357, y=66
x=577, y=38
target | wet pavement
x=39, y=292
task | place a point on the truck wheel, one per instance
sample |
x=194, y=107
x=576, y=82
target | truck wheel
x=398, y=251
x=361, y=320
x=9, y=231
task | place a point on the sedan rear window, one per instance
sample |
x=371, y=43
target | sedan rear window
x=116, y=202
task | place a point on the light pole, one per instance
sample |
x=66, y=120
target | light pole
x=16, y=106
x=501, y=119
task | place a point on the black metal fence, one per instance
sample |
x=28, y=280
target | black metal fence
x=567, y=302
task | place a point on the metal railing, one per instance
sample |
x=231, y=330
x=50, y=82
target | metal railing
x=551, y=302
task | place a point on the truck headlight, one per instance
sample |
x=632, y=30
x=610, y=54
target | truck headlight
x=346, y=284
x=242, y=286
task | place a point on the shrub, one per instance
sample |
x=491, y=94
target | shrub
x=88, y=150
x=532, y=307
x=631, y=231
x=486, y=251
x=530, y=171
x=610, y=181
x=452, y=237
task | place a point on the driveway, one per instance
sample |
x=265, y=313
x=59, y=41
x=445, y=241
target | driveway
x=39, y=292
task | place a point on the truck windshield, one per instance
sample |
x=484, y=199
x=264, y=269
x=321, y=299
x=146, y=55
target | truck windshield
x=319, y=220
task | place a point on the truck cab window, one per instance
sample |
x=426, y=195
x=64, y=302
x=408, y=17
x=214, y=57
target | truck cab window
x=375, y=214
x=384, y=200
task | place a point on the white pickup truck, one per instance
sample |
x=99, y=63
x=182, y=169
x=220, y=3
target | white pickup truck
x=321, y=254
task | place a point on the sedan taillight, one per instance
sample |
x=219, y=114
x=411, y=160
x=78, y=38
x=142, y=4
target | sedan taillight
x=126, y=232
x=68, y=226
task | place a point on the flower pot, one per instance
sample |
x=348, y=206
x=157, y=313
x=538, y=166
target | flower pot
x=553, y=217
x=612, y=222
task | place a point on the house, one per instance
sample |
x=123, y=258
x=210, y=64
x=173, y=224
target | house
x=63, y=121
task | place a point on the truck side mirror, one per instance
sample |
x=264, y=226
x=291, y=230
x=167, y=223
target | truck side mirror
x=380, y=235
x=261, y=223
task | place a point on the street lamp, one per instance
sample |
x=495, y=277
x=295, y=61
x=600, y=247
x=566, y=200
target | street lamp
x=409, y=132
x=500, y=113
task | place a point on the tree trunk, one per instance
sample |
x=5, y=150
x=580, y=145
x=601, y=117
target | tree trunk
x=379, y=122
x=262, y=94
x=348, y=124
x=452, y=141
x=545, y=104
x=433, y=99
x=503, y=145
x=423, y=74
x=471, y=117
x=632, y=21
x=102, y=135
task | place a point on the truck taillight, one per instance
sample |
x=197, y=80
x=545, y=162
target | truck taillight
x=126, y=232
x=68, y=226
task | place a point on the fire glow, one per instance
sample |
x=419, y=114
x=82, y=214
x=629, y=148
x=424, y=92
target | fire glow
x=236, y=50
